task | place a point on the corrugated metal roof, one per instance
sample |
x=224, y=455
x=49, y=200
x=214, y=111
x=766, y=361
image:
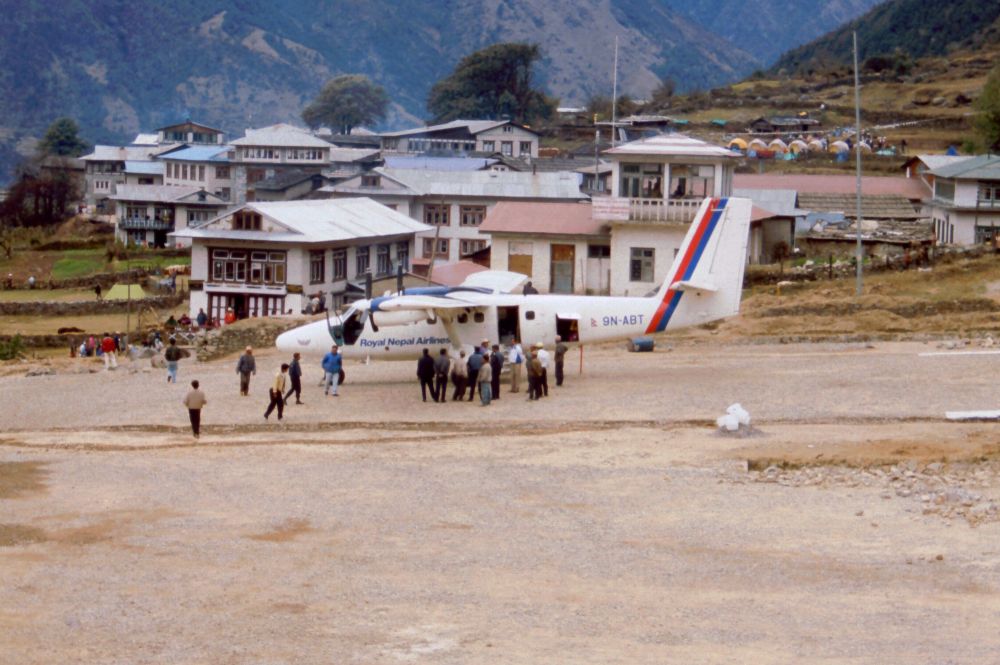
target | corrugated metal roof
x=490, y=184
x=312, y=221
x=473, y=126
x=913, y=189
x=352, y=154
x=937, y=161
x=778, y=201
x=199, y=153
x=982, y=167
x=672, y=145
x=438, y=163
x=114, y=153
x=873, y=206
x=146, y=139
x=541, y=218
x=281, y=135
x=162, y=194
x=145, y=168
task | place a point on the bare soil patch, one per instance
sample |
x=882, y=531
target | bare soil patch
x=19, y=479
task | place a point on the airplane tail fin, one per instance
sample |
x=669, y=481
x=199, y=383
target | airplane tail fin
x=706, y=280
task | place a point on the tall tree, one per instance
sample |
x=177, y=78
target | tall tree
x=988, y=121
x=63, y=138
x=346, y=102
x=491, y=84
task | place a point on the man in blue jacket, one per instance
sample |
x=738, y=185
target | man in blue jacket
x=331, y=366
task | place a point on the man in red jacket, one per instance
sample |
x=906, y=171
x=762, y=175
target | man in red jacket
x=110, y=351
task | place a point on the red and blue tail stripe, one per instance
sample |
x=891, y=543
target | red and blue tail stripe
x=688, y=264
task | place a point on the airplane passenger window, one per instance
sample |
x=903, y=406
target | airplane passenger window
x=529, y=315
x=478, y=317
x=463, y=318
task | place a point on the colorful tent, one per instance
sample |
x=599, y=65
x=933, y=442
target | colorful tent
x=757, y=144
x=778, y=145
x=738, y=143
x=864, y=147
x=797, y=146
x=816, y=145
x=123, y=292
x=839, y=146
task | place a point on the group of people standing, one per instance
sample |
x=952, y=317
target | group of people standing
x=482, y=369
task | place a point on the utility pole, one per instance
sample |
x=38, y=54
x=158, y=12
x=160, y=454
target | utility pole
x=614, y=97
x=857, y=158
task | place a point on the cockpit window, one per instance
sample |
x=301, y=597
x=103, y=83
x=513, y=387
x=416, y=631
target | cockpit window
x=351, y=328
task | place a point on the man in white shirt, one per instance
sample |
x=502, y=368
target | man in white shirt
x=516, y=361
x=543, y=357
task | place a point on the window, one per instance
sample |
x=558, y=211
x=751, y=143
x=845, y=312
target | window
x=195, y=216
x=102, y=184
x=184, y=171
x=225, y=193
x=525, y=147
x=246, y=220
x=145, y=180
x=361, y=261
x=529, y=315
x=471, y=215
x=317, y=267
x=507, y=129
x=442, y=248
x=170, y=169
x=691, y=181
x=944, y=189
x=642, y=181
x=489, y=146
x=989, y=194
x=471, y=246
x=436, y=215
x=598, y=251
x=478, y=317
x=641, y=264
x=383, y=266
x=403, y=255
x=222, y=173
x=339, y=264
x=371, y=180
x=507, y=148
x=201, y=172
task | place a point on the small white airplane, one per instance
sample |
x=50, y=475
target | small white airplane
x=705, y=284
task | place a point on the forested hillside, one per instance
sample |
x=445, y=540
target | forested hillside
x=910, y=28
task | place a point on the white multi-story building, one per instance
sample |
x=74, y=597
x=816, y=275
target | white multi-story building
x=264, y=152
x=454, y=203
x=965, y=205
x=205, y=167
x=464, y=136
x=270, y=258
x=146, y=214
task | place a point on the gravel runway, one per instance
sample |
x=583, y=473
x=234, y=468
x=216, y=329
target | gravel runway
x=609, y=523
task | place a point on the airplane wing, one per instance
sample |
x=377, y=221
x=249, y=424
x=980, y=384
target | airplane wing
x=409, y=303
x=498, y=281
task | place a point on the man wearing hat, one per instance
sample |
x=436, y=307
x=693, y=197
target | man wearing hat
x=246, y=366
x=543, y=358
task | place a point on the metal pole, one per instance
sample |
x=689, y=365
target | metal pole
x=597, y=161
x=857, y=157
x=614, y=97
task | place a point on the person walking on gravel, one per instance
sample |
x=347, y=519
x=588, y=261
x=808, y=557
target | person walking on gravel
x=295, y=374
x=332, y=363
x=561, y=350
x=246, y=366
x=485, y=379
x=442, y=367
x=195, y=401
x=425, y=372
x=277, y=393
x=172, y=355
x=110, y=352
x=459, y=376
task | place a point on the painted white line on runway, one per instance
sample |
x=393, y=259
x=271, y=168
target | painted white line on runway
x=972, y=415
x=959, y=353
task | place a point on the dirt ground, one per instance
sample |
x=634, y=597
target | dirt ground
x=609, y=523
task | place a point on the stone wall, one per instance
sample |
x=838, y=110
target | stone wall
x=258, y=333
x=56, y=308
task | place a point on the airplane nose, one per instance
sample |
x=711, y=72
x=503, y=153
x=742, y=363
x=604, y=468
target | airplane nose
x=287, y=341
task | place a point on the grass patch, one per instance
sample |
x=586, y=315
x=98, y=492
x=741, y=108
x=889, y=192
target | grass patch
x=78, y=263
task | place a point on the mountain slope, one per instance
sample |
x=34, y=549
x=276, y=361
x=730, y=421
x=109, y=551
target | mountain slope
x=123, y=66
x=767, y=28
x=918, y=27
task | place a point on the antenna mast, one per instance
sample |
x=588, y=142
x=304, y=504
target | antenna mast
x=857, y=158
x=614, y=97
